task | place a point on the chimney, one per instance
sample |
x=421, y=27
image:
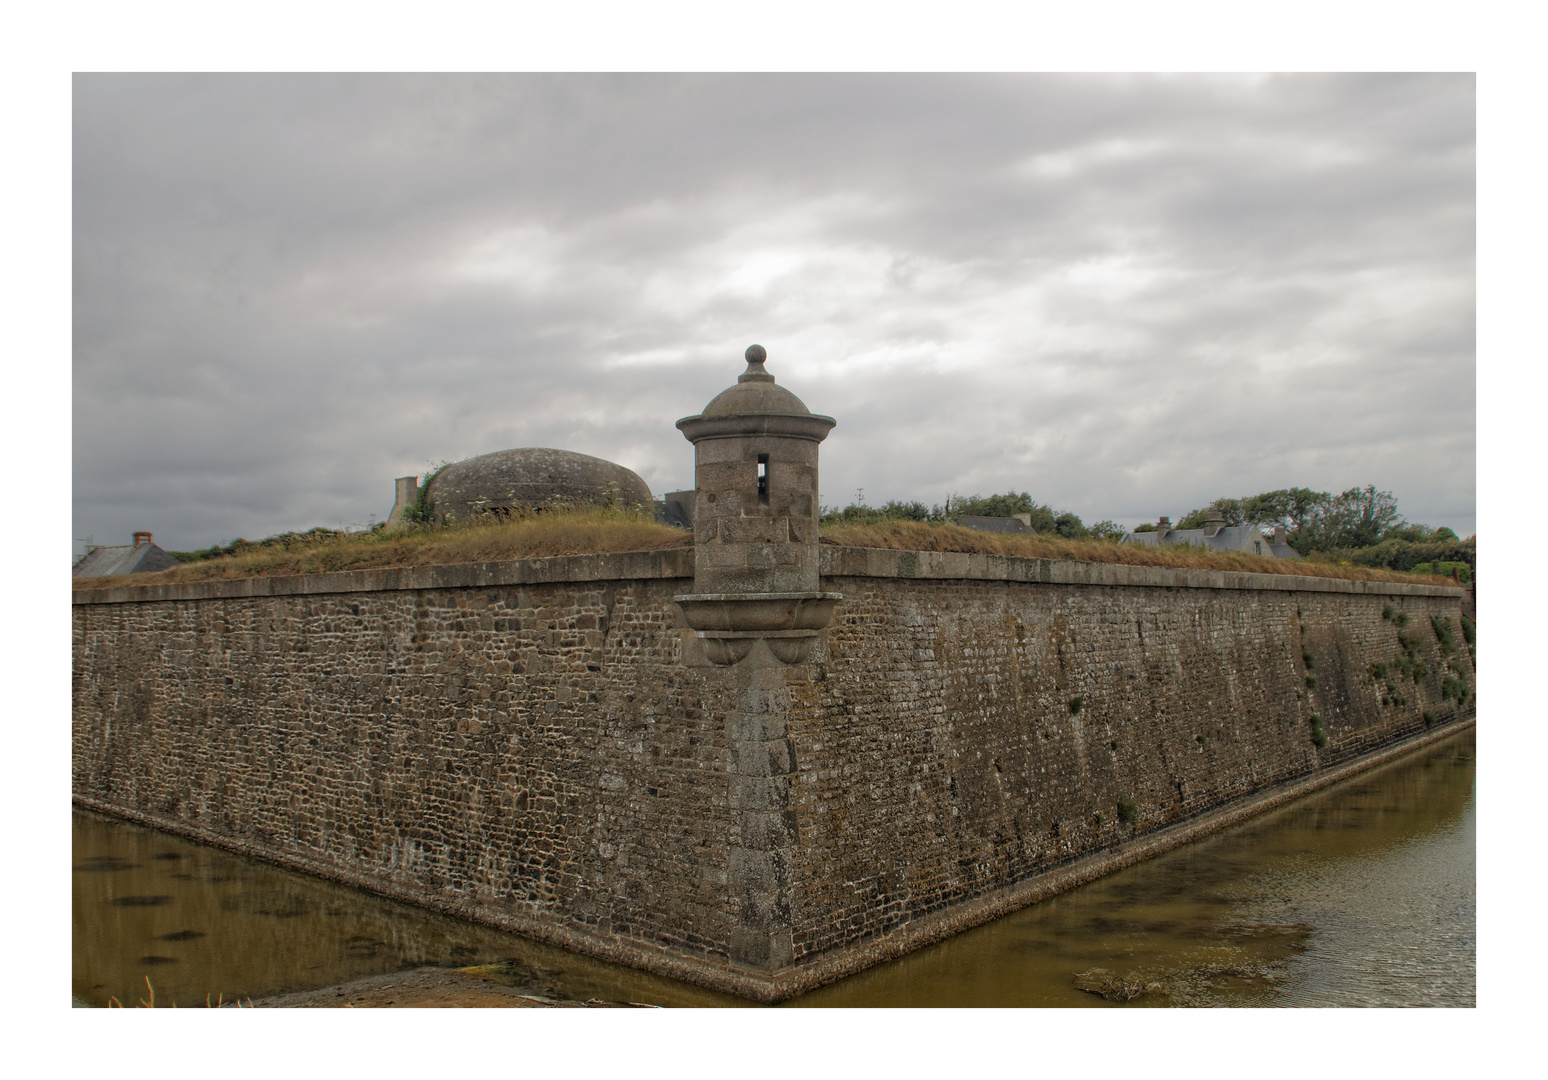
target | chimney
x=1215, y=522
x=1163, y=527
x=141, y=538
x=405, y=495
x=1279, y=534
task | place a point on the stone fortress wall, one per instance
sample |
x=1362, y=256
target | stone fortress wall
x=544, y=744
x=760, y=763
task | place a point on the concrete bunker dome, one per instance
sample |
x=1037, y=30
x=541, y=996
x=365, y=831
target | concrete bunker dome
x=532, y=477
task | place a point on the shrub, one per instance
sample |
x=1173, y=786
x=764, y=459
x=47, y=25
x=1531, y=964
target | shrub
x=1319, y=737
x=1128, y=811
x=1445, y=634
x=1308, y=659
x=1461, y=571
x=1076, y=704
x=1311, y=682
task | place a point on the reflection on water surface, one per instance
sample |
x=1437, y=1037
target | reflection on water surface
x=1360, y=895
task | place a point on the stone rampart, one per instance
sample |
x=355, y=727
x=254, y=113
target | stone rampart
x=544, y=745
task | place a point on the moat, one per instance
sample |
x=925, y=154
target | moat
x=1360, y=895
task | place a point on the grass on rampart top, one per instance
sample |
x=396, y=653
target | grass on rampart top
x=587, y=531
x=929, y=536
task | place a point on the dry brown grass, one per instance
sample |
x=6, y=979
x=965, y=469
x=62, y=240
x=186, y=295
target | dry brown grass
x=591, y=531
x=921, y=536
x=573, y=532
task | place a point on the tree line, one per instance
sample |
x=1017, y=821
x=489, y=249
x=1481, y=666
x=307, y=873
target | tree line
x=1045, y=519
x=1362, y=526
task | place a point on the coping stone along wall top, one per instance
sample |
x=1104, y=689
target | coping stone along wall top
x=835, y=561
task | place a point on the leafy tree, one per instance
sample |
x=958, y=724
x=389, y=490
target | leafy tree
x=1357, y=518
x=1230, y=510
x=1069, y=526
x=1109, y=530
x=1044, y=519
x=1290, y=507
x=1317, y=520
x=1008, y=505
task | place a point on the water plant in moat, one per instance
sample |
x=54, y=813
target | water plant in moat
x=149, y=1001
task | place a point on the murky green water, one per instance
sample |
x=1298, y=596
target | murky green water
x=1361, y=895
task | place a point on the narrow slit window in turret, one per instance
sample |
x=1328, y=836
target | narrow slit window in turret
x=763, y=478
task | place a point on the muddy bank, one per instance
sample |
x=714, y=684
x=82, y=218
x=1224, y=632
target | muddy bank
x=485, y=987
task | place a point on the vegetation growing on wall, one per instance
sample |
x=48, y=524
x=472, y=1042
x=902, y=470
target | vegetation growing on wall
x=422, y=513
x=1319, y=737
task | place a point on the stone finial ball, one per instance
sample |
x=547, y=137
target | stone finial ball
x=756, y=354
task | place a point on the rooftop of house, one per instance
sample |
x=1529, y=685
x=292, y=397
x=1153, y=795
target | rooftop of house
x=140, y=557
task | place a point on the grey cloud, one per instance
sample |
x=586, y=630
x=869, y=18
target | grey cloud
x=270, y=323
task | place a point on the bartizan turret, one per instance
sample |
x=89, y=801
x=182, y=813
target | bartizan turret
x=755, y=521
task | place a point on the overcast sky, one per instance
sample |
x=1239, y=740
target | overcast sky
x=1126, y=296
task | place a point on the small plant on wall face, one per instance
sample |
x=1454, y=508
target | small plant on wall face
x=1076, y=704
x=1319, y=737
x=1128, y=811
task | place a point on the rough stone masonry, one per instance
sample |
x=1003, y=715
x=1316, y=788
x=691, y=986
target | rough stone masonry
x=752, y=787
